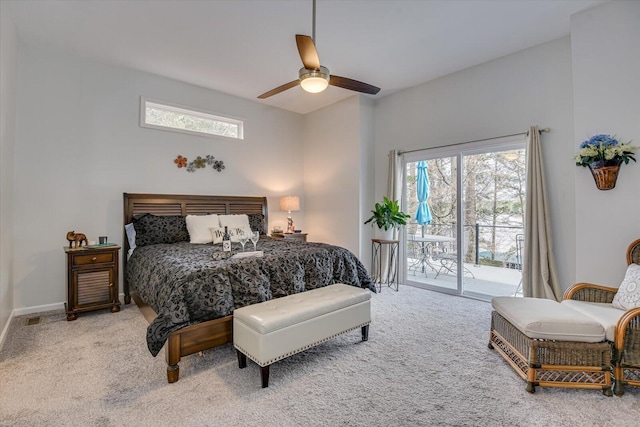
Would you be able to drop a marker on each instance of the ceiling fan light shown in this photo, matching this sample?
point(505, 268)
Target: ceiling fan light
point(314, 81)
point(314, 84)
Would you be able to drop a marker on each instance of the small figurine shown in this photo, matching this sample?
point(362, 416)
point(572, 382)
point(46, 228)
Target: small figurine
point(290, 227)
point(76, 239)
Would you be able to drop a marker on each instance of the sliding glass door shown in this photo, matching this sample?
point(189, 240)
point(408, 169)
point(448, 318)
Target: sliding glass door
point(467, 217)
point(430, 236)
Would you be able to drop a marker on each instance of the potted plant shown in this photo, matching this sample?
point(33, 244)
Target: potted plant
point(604, 154)
point(387, 215)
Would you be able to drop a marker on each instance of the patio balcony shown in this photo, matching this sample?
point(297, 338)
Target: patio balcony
point(488, 281)
point(486, 274)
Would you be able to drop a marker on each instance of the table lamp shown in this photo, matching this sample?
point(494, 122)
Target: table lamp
point(290, 203)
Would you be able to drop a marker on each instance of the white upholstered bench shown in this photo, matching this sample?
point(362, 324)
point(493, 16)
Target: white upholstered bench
point(550, 344)
point(275, 329)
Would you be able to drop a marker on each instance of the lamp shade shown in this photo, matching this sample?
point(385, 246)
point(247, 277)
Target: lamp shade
point(290, 203)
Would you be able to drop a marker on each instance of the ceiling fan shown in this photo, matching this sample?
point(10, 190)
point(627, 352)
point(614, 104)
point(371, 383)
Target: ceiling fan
point(313, 77)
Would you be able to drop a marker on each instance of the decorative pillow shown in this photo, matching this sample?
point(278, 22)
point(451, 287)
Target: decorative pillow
point(256, 222)
point(628, 295)
point(199, 225)
point(131, 235)
point(153, 229)
point(217, 234)
point(234, 221)
point(234, 234)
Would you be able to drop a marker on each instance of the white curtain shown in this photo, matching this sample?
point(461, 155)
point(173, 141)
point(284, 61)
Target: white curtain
point(394, 189)
point(539, 277)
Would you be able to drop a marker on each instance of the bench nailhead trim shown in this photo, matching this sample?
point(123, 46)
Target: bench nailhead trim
point(291, 353)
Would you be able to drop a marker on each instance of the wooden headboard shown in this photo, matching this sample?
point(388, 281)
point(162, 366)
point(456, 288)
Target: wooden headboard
point(177, 204)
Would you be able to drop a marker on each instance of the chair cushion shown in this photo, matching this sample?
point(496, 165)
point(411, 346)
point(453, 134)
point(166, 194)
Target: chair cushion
point(605, 314)
point(628, 295)
point(546, 319)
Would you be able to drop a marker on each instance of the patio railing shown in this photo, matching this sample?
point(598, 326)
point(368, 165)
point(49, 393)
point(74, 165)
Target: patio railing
point(499, 242)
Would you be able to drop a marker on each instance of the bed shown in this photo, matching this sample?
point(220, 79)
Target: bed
point(188, 293)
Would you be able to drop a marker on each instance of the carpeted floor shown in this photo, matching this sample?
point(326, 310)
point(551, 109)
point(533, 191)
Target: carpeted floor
point(426, 363)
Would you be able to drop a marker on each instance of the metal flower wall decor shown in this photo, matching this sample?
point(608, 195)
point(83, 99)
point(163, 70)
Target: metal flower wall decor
point(199, 163)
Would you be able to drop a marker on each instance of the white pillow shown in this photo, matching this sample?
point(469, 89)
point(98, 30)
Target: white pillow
point(628, 295)
point(217, 234)
point(198, 227)
point(234, 233)
point(234, 221)
point(131, 236)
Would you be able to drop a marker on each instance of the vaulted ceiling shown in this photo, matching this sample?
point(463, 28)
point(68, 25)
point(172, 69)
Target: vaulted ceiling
point(247, 47)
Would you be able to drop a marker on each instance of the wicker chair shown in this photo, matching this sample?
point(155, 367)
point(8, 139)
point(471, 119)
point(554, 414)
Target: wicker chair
point(626, 346)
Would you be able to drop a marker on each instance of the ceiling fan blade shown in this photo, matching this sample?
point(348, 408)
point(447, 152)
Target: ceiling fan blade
point(279, 89)
point(351, 84)
point(308, 52)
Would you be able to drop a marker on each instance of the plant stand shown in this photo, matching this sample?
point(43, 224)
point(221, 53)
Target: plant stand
point(384, 263)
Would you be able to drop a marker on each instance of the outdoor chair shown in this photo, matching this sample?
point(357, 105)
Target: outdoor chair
point(449, 259)
point(622, 326)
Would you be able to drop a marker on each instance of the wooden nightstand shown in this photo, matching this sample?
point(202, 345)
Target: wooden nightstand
point(92, 280)
point(292, 236)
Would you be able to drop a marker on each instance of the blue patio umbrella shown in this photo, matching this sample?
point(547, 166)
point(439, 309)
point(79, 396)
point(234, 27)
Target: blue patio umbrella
point(423, 213)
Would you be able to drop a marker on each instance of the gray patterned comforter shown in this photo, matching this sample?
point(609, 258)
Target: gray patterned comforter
point(185, 285)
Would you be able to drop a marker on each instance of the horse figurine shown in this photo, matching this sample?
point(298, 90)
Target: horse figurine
point(76, 239)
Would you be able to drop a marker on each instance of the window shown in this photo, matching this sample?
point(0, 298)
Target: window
point(160, 115)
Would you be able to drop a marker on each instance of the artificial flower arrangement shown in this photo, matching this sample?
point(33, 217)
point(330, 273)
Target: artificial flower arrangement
point(604, 150)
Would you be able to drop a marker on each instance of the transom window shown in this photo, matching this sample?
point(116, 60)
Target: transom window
point(161, 115)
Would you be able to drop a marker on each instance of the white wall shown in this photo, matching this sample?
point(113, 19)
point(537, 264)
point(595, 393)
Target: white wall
point(8, 78)
point(332, 174)
point(605, 45)
point(79, 147)
point(500, 97)
point(367, 176)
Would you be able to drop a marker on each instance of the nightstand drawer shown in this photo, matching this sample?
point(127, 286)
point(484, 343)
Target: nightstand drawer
point(93, 258)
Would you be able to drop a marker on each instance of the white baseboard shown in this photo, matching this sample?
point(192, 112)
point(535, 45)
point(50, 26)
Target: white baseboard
point(30, 310)
point(5, 330)
point(46, 307)
point(38, 309)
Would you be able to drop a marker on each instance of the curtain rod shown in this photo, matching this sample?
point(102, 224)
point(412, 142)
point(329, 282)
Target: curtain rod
point(475, 140)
